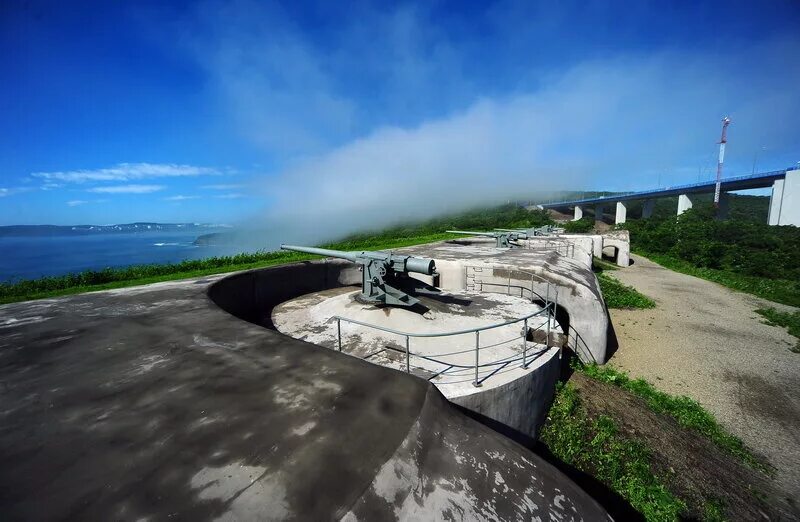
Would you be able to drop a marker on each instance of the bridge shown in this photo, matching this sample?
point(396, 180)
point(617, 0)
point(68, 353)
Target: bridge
point(784, 207)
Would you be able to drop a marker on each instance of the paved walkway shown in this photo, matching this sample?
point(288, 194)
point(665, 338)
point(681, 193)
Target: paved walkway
point(705, 341)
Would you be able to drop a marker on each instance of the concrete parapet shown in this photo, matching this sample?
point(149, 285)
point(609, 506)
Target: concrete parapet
point(203, 416)
point(579, 297)
point(620, 241)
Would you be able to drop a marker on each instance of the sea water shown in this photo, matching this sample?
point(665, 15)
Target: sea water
point(34, 257)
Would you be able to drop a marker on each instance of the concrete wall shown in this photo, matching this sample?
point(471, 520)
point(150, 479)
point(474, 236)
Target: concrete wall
point(579, 299)
point(621, 240)
point(252, 295)
point(785, 200)
point(521, 404)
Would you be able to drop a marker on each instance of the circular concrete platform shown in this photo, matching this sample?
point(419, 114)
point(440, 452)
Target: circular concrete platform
point(448, 361)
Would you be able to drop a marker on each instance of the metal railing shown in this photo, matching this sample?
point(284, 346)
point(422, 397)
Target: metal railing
point(560, 247)
point(500, 364)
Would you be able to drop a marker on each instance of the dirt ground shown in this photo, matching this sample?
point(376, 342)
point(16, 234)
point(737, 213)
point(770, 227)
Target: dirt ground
point(705, 341)
point(695, 469)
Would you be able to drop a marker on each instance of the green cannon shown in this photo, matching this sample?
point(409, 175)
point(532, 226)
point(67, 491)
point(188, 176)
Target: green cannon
point(382, 274)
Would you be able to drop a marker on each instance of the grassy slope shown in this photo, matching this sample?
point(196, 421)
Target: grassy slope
point(685, 410)
point(778, 290)
point(616, 294)
point(145, 274)
point(790, 320)
point(596, 445)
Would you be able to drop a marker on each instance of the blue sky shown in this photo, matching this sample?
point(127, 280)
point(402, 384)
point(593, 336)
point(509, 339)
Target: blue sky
point(302, 112)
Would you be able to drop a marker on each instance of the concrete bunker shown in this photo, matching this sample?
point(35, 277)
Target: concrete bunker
point(513, 376)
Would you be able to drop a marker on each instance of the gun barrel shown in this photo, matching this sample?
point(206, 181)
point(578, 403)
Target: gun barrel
point(472, 233)
point(350, 256)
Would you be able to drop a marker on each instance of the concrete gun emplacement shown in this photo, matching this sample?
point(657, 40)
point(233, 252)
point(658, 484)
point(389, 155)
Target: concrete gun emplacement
point(503, 239)
point(382, 274)
point(527, 233)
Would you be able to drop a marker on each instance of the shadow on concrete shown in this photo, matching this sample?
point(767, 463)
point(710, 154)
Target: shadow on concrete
point(612, 342)
point(616, 505)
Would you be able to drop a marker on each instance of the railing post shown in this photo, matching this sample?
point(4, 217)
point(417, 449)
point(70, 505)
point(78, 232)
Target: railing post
point(525, 344)
point(477, 346)
point(408, 357)
point(339, 332)
point(555, 308)
point(508, 290)
point(532, 288)
point(547, 344)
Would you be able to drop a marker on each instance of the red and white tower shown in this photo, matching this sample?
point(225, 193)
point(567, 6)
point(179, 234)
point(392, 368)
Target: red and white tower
point(722, 141)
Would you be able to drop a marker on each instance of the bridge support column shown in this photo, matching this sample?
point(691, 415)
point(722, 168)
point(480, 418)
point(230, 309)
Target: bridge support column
point(599, 210)
point(648, 207)
point(622, 213)
point(724, 205)
point(684, 203)
point(578, 213)
point(784, 203)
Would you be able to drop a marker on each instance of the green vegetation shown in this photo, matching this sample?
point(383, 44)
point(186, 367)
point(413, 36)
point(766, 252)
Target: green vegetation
point(601, 265)
point(616, 294)
point(790, 320)
point(685, 410)
point(580, 226)
point(510, 216)
point(745, 255)
point(579, 433)
point(595, 446)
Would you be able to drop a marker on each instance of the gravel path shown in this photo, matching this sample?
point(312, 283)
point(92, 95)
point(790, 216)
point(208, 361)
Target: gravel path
point(705, 341)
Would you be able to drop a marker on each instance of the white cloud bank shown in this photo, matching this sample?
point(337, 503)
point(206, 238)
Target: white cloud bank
point(127, 189)
point(612, 124)
point(126, 172)
point(76, 202)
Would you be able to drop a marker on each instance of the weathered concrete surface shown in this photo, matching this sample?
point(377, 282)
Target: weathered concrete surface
point(153, 403)
point(620, 242)
point(705, 341)
point(582, 309)
point(515, 397)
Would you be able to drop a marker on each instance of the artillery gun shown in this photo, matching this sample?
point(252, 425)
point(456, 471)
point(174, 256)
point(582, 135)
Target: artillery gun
point(381, 273)
point(546, 230)
point(505, 239)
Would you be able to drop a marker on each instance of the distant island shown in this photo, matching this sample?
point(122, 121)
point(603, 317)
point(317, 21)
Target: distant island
point(215, 239)
point(84, 230)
